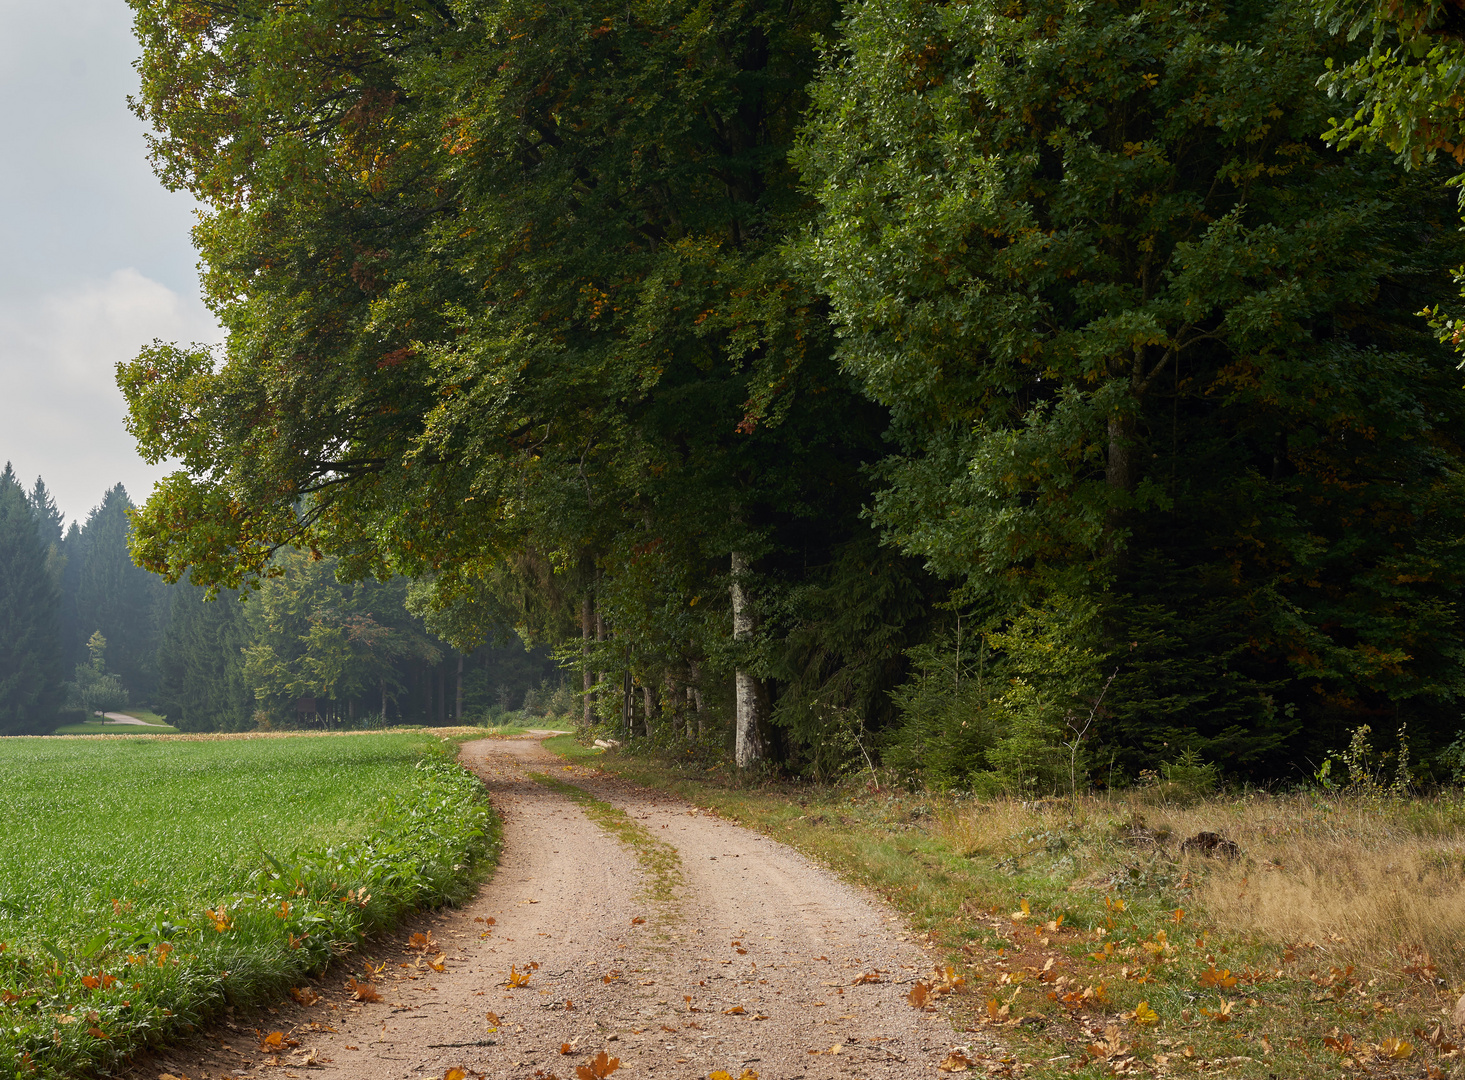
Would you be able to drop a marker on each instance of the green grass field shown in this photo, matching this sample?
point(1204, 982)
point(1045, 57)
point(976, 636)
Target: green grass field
point(145, 883)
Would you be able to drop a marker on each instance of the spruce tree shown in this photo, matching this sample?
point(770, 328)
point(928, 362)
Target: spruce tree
point(49, 525)
point(73, 640)
point(118, 598)
point(201, 683)
point(31, 670)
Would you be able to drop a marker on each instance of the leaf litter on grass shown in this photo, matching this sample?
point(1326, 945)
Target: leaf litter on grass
point(1088, 947)
point(143, 914)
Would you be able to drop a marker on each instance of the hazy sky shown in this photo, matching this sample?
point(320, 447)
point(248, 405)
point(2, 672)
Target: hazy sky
point(95, 259)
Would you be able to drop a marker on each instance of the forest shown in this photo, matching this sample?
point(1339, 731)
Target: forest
point(88, 631)
point(1000, 391)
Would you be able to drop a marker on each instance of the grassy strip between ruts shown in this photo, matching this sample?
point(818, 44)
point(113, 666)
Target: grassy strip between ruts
point(659, 860)
point(1089, 945)
point(147, 883)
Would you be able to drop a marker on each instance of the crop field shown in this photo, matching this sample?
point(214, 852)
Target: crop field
point(147, 882)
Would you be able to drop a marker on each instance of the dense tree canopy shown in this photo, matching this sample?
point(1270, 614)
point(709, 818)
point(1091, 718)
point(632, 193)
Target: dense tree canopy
point(611, 322)
point(1146, 340)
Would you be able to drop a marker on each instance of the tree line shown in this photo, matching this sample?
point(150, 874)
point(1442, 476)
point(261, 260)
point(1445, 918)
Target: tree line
point(87, 631)
point(996, 386)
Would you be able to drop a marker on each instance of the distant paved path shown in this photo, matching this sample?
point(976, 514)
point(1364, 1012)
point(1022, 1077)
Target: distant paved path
point(123, 718)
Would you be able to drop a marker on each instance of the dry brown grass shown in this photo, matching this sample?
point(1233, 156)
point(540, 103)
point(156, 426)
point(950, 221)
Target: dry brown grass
point(1372, 882)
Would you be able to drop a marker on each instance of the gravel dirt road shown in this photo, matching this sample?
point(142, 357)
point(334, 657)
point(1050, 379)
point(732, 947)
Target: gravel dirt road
point(696, 946)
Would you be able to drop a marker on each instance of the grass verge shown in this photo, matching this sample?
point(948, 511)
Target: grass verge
point(147, 883)
point(1091, 945)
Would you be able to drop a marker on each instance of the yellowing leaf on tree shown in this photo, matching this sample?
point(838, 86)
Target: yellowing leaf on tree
point(598, 1068)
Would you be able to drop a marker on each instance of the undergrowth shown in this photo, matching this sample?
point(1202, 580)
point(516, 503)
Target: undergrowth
point(148, 884)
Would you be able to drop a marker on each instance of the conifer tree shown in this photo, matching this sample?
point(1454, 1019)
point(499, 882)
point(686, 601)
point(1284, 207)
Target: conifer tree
point(117, 597)
point(30, 640)
point(201, 682)
point(49, 525)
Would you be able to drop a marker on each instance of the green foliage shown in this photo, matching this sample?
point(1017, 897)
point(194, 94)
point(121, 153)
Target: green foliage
point(555, 350)
point(1365, 770)
point(947, 724)
point(30, 631)
point(117, 598)
point(94, 689)
point(1073, 305)
point(314, 637)
point(848, 627)
point(1452, 759)
point(296, 847)
point(201, 668)
point(1135, 326)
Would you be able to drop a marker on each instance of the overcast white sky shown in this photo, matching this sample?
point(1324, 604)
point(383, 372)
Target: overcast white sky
point(95, 259)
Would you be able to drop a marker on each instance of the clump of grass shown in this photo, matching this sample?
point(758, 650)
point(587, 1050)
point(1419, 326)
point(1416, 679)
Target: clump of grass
point(1374, 882)
point(146, 884)
point(1371, 882)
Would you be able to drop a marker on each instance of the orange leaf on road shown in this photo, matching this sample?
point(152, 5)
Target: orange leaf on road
point(599, 1067)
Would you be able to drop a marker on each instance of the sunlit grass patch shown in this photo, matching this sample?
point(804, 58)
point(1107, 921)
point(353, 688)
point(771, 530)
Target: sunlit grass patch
point(145, 883)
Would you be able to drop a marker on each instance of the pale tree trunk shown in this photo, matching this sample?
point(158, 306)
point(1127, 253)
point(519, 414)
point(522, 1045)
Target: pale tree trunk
point(694, 692)
point(587, 634)
point(599, 637)
point(748, 747)
point(648, 697)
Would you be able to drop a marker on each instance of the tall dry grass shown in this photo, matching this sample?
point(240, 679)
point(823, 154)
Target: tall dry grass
point(1372, 882)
